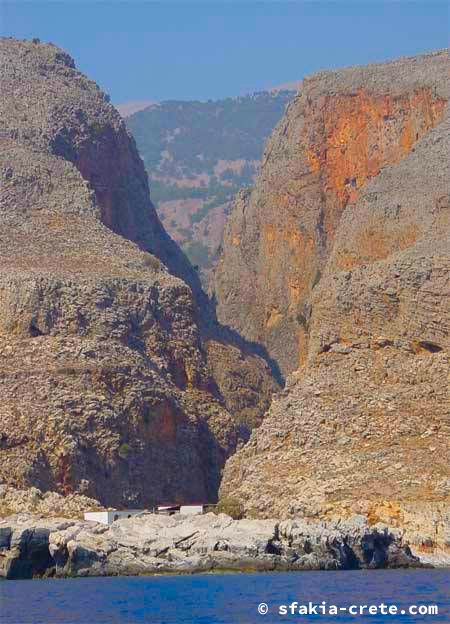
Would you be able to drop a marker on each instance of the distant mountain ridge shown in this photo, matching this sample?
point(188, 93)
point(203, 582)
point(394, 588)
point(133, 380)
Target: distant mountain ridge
point(198, 155)
point(129, 108)
point(126, 109)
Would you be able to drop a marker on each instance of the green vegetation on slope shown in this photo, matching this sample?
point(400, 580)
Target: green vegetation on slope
point(203, 151)
point(199, 134)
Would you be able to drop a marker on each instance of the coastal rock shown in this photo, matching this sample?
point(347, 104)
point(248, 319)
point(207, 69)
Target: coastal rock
point(45, 504)
point(149, 544)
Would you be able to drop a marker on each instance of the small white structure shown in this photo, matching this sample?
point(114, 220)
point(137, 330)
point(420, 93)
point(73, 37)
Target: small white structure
point(167, 509)
point(108, 517)
point(191, 509)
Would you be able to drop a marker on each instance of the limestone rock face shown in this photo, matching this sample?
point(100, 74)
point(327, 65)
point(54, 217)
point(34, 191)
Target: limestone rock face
point(341, 130)
point(104, 377)
point(31, 546)
point(363, 425)
point(48, 106)
point(388, 272)
point(45, 504)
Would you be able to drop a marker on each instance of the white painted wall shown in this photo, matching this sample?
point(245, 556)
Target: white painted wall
point(108, 517)
point(97, 516)
point(191, 509)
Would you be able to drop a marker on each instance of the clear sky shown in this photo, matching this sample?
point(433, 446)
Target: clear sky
point(138, 49)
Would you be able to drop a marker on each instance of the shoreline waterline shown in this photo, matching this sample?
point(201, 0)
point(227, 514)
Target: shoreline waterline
point(222, 599)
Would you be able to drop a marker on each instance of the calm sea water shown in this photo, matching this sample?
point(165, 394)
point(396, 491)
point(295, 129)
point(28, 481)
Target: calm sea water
point(225, 599)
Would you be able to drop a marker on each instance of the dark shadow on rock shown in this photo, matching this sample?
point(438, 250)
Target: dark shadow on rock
point(213, 329)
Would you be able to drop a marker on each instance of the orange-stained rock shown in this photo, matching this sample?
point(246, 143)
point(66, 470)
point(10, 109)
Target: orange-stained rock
point(363, 426)
point(340, 131)
point(362, 133)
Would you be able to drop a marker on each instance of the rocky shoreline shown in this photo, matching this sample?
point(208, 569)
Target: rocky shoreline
point(32, 546)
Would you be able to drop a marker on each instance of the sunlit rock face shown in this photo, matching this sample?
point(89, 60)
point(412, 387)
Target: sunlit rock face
point(362, 425)
point(105, 378)
point(340, 131)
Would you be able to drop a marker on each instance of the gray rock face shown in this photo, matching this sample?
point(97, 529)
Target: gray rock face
point(49, 107)
point(32, 546)
point(100, 350)
point(106, 341)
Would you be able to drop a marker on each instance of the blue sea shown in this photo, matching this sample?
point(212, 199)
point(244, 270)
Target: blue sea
point(227, 598)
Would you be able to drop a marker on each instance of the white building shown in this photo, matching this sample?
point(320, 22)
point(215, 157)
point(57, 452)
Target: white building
point(108, 517)
point(193, 509)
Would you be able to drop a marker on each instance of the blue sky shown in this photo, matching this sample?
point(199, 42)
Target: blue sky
point(216, 48)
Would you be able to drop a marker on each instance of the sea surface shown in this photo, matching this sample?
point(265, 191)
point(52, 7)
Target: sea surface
point(225, 598)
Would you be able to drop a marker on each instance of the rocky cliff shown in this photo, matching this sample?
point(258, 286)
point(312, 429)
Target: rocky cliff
point(363, 426)
point(150, 544)
point(106, 343)
point(341, 130)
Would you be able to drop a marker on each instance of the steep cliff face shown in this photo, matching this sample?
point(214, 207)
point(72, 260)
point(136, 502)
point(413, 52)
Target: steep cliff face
point(105, 384)
point(340, 131)
point(363, 426)
point(49, 105)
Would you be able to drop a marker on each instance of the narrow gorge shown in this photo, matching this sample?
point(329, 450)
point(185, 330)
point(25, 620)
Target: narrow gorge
point(123, 384)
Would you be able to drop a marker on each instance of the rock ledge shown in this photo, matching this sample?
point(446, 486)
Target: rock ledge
point(32, 546)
